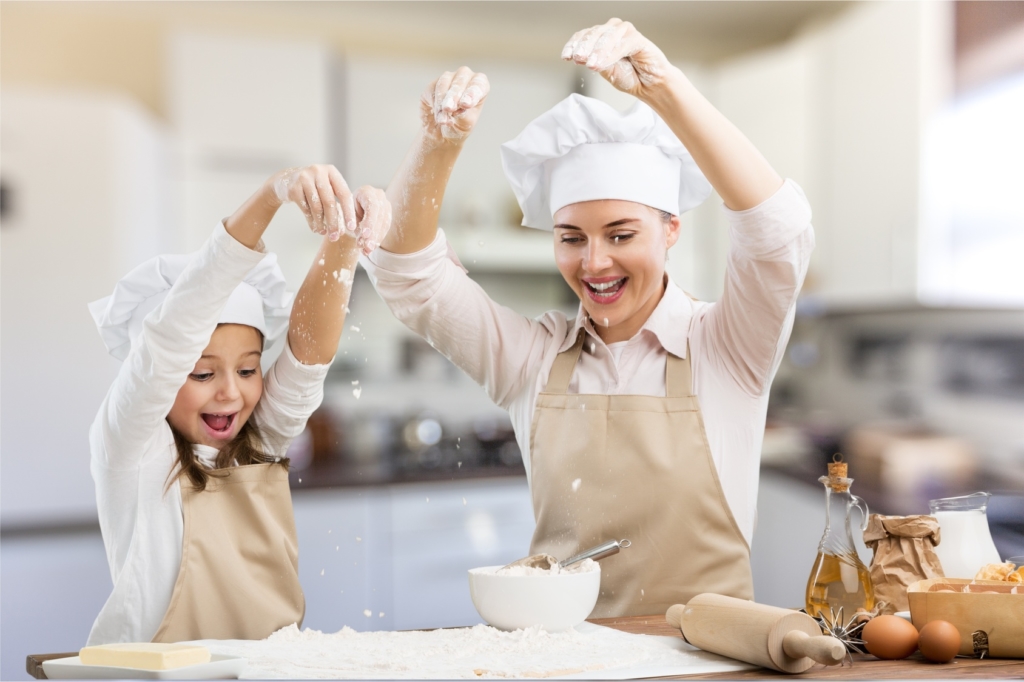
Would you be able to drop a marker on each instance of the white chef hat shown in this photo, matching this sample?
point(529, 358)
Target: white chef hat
point(260, 301)
point(583, 149)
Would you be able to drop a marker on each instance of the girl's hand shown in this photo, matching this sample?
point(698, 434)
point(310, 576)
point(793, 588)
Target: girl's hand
point(625, 58)
point(321, 194)
point(373, 210)
point(450, 106)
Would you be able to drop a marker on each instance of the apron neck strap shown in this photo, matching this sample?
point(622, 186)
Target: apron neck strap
point(565, 363)
point(678, 376)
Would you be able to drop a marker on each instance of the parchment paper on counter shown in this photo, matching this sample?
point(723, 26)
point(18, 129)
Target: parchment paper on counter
point(479, 652)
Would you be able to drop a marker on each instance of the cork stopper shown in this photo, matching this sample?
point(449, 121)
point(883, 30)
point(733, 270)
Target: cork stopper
point(837, 479)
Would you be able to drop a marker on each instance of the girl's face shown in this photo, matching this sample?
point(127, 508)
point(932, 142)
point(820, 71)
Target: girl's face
point(223, 389)
point(612, 254)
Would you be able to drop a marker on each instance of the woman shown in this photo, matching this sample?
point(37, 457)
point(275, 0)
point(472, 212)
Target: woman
point(188, 446)
point(642, 418)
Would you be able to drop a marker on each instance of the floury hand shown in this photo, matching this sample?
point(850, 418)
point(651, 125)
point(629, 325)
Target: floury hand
point(621, 54)
point(373, 210)
point(322, 195)
point(450, 106)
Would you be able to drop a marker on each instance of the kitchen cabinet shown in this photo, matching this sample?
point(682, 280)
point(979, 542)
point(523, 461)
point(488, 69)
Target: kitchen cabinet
point(400, 553)
point(478, 211)
point(243, 109)
point(843, 108)
point(502, 248)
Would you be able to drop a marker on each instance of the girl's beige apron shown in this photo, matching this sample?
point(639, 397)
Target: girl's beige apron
point(239, 576)
point(613, 467)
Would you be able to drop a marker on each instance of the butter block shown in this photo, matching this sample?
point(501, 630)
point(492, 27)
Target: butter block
point(145, 655)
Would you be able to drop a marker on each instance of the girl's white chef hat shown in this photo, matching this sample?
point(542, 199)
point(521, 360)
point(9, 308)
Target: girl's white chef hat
point(260, 301)
point(583, 149)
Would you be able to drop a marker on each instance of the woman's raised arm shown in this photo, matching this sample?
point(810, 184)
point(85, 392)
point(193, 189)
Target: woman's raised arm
point(633, 64)
point(449, 108)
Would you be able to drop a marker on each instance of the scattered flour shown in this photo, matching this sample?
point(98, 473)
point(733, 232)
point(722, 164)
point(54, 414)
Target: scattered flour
point(464, 653)
point(585, 566)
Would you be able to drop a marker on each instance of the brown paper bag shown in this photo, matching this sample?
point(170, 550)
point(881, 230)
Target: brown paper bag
point(904, 553)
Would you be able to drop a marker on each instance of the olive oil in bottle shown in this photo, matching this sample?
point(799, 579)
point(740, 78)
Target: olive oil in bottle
point(839, 582)
point(839, 579)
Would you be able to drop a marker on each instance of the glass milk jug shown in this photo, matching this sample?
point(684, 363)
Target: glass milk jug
point(839, 579)
point(966, 544)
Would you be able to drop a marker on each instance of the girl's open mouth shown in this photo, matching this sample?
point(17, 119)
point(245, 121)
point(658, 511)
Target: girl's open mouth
point(219, 425)
point(606, 292)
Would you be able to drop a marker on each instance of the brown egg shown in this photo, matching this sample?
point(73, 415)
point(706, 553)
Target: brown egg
point(889, 637)
point(939, 641)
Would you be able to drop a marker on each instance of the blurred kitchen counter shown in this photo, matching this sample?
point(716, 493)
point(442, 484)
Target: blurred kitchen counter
point(1005, 511)
point(347, 475)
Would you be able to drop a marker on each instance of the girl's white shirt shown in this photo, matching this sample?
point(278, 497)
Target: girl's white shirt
point(737, 342)
point(132, 448)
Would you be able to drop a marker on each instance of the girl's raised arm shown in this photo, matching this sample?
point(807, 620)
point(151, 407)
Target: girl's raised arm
point(351, 225)
point(173, 337)
point(318, 315)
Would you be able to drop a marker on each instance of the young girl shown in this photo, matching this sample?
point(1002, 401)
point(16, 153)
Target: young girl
point(188, 446)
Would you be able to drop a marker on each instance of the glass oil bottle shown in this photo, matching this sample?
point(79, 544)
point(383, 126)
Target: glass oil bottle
point(839, 578)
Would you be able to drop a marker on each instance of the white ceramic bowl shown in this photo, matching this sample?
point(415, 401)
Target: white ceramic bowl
point(553, 602)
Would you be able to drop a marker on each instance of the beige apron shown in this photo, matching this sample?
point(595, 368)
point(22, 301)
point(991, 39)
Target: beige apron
point(613, 467)
point(239, 576)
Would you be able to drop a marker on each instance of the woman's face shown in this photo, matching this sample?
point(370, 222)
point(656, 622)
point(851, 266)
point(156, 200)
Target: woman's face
point(221, 392)
point(612, 254)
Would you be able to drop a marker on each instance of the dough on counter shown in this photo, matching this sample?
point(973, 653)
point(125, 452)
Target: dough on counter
point(145, 655)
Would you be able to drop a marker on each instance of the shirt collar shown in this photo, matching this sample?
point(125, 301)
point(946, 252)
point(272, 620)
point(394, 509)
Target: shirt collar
point(669, 323)
point(207, 455)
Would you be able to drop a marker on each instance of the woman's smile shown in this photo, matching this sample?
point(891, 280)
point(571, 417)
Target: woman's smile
point(605, 290)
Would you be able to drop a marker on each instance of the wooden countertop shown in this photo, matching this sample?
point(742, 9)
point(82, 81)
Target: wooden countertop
point(864, 666)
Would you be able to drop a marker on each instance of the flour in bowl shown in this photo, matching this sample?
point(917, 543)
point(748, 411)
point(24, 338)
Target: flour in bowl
point(585, 566)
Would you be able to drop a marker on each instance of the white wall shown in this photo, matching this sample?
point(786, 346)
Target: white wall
point(87, 178)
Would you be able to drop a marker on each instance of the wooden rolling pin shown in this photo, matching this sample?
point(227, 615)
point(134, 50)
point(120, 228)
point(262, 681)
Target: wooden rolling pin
point(781, 639)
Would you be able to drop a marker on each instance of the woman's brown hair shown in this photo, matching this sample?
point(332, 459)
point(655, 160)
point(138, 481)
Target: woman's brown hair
point(245, 448)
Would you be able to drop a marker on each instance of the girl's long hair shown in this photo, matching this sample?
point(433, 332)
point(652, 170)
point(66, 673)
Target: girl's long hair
point(245, 448)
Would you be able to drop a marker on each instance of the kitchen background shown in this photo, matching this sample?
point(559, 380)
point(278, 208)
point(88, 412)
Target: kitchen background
point(129, 129)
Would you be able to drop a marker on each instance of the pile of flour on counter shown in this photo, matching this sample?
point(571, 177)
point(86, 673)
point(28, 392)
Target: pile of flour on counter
point(465, 653)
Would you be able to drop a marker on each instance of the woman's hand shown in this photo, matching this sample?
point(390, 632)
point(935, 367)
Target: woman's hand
point(450, 106)
point(621, 54)
point(373, 211)
point(321, 194)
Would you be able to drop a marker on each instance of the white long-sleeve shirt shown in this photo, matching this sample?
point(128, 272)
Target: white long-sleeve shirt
point(132, 448)
point(737, 342)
